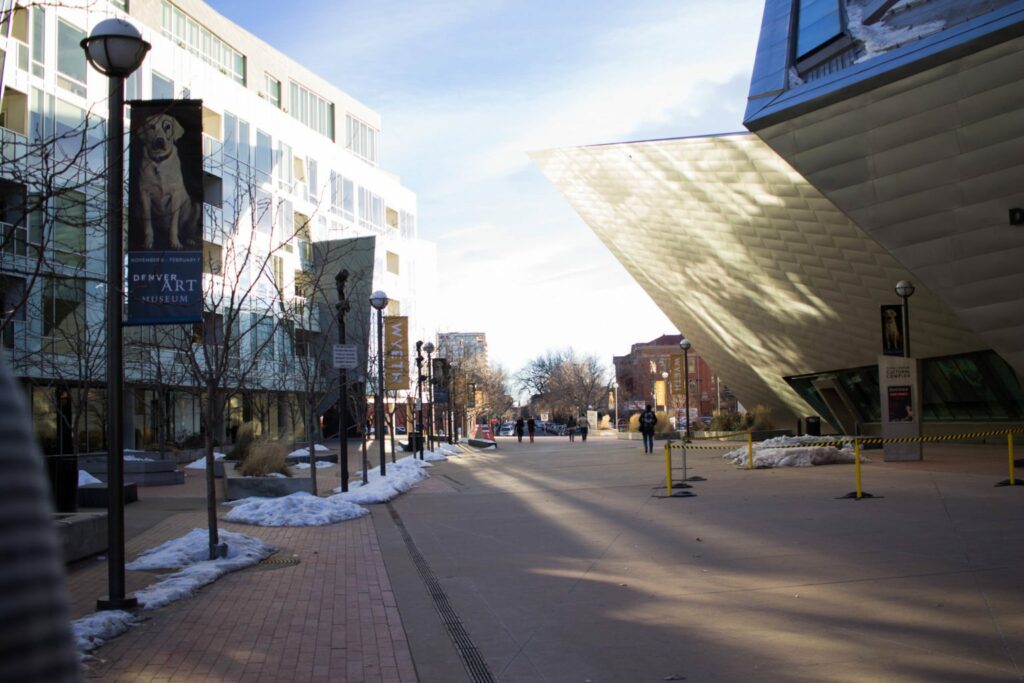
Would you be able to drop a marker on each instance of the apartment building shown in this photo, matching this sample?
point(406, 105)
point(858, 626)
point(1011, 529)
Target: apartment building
point(291, 163)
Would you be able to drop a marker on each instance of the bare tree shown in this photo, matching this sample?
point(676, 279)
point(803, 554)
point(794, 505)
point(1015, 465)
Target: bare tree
point(563, 382)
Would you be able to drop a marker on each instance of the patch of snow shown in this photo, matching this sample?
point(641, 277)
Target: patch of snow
point(786, 451)
point(401, 476)
point(135, 458)
point(84, 478)
point(297, 509)
point(304, 452)
point(190, 553)
point(95, 629)
point(200, 463)
point(320, 464)
point(878, 38)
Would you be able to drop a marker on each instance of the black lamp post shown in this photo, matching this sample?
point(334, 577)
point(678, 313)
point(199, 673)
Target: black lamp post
point(429, 348)
point(664, 389)
point(685, 346)
point(343, 308)
point(905, 289)
point(115, 48)
point(379, 300)
point(419, 398)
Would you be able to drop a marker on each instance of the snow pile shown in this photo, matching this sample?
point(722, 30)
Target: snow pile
point(189, 555)
point(878, 38)
point(304, 452)
point(135, 458)
point(400, 478)
point(84, 478)
point(92, 631)
point(438, 455)
point(320, 464)
point(200, 463)
point(448, 449)
point(785, 451)
point(297, 509)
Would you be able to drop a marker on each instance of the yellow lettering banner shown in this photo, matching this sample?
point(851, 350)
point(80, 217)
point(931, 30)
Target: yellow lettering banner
point(396, 352)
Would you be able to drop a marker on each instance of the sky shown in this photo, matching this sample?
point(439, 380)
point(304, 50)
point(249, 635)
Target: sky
point(466, 88)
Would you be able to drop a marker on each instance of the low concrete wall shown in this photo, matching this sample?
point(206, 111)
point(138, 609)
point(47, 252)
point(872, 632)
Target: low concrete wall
point(141, 472)
point(81, 534)
point(236, 486)
point(95, 495)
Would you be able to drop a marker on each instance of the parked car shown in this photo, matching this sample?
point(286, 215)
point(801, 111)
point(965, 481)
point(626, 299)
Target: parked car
point(507, 429)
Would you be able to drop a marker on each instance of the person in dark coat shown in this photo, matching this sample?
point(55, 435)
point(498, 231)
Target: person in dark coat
point(647, 422)
point(519, 429)
point(570, 426)
point(584, 424)
point(531, 427)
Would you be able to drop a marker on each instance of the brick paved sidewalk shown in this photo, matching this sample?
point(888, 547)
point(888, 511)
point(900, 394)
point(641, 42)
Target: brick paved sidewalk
point(332, 617)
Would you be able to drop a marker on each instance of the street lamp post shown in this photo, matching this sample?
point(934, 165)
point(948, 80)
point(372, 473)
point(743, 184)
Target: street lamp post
point(664, 389)
point(615, 392)
point(379, 300)
point(419, 398)
point(685, 346)
point(429, 348)
point(343, 308)
point(115, 48)
point(905, 289)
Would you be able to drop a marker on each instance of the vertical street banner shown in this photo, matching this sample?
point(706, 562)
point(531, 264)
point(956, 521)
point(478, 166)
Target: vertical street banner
point(440, 371)
point(676, 374)
point(396, 352)
point(165, 213)
point(892, 330)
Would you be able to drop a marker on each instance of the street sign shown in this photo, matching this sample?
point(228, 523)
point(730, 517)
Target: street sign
point(345, 357)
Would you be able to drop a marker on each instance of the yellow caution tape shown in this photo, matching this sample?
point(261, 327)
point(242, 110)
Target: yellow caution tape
point(870, 440)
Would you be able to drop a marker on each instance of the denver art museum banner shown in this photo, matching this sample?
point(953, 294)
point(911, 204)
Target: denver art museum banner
point(396, 352)
point(165, 213)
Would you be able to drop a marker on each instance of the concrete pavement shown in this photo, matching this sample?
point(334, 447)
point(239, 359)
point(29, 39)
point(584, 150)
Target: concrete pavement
point(564, 568)
point(553, 562)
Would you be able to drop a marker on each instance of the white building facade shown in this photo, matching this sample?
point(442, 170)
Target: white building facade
point(290, 161)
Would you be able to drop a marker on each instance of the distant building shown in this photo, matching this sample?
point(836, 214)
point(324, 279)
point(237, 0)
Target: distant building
point(638, 372)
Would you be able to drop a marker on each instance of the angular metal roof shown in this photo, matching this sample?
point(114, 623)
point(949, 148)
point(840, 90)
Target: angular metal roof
point(762, 272)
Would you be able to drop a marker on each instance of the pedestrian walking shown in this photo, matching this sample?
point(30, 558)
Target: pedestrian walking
point(570, 425)
point(647, 421)
point(531, 427)
point(519, 429)
point(584, 427)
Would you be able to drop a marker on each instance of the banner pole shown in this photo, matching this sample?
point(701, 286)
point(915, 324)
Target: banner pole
point(856, 460)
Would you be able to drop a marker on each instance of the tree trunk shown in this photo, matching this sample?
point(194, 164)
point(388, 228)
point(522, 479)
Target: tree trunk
point(312, 446)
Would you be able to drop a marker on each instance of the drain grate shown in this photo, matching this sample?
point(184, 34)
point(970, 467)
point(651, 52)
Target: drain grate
point(471, 657)
point(276, 561)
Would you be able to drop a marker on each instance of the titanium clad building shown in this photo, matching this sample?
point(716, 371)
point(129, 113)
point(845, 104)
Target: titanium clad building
point(292, 165)
point(887, 146)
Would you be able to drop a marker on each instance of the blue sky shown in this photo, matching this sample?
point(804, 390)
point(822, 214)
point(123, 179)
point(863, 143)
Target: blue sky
point(467, 88)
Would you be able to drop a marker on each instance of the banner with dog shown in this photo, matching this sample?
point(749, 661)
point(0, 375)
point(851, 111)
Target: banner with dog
point(165, 212)
point(892, 330)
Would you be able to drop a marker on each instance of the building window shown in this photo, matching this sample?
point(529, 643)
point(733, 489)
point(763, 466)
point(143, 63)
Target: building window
point(361, 139)
point(201, 42)
point(312, 110)
point(39, 42)
point(163, 87)
point(213, 258)
point(371, 209)
point(285, 167)
point(236, 138)
point(264, 156)
point(407, 224)
point(392, 262)
point(264, 208)
point(12, 315)
point(819, 22)
point(69, 228)
point(273, 88)
point(63, 310)
point(70, 58)
point(343, 202)
point(393, 308)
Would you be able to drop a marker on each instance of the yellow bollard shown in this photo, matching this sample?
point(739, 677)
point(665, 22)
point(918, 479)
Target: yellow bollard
point(1009, 448)
point(750, 450)
point(856, 460)
point(668, 469)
